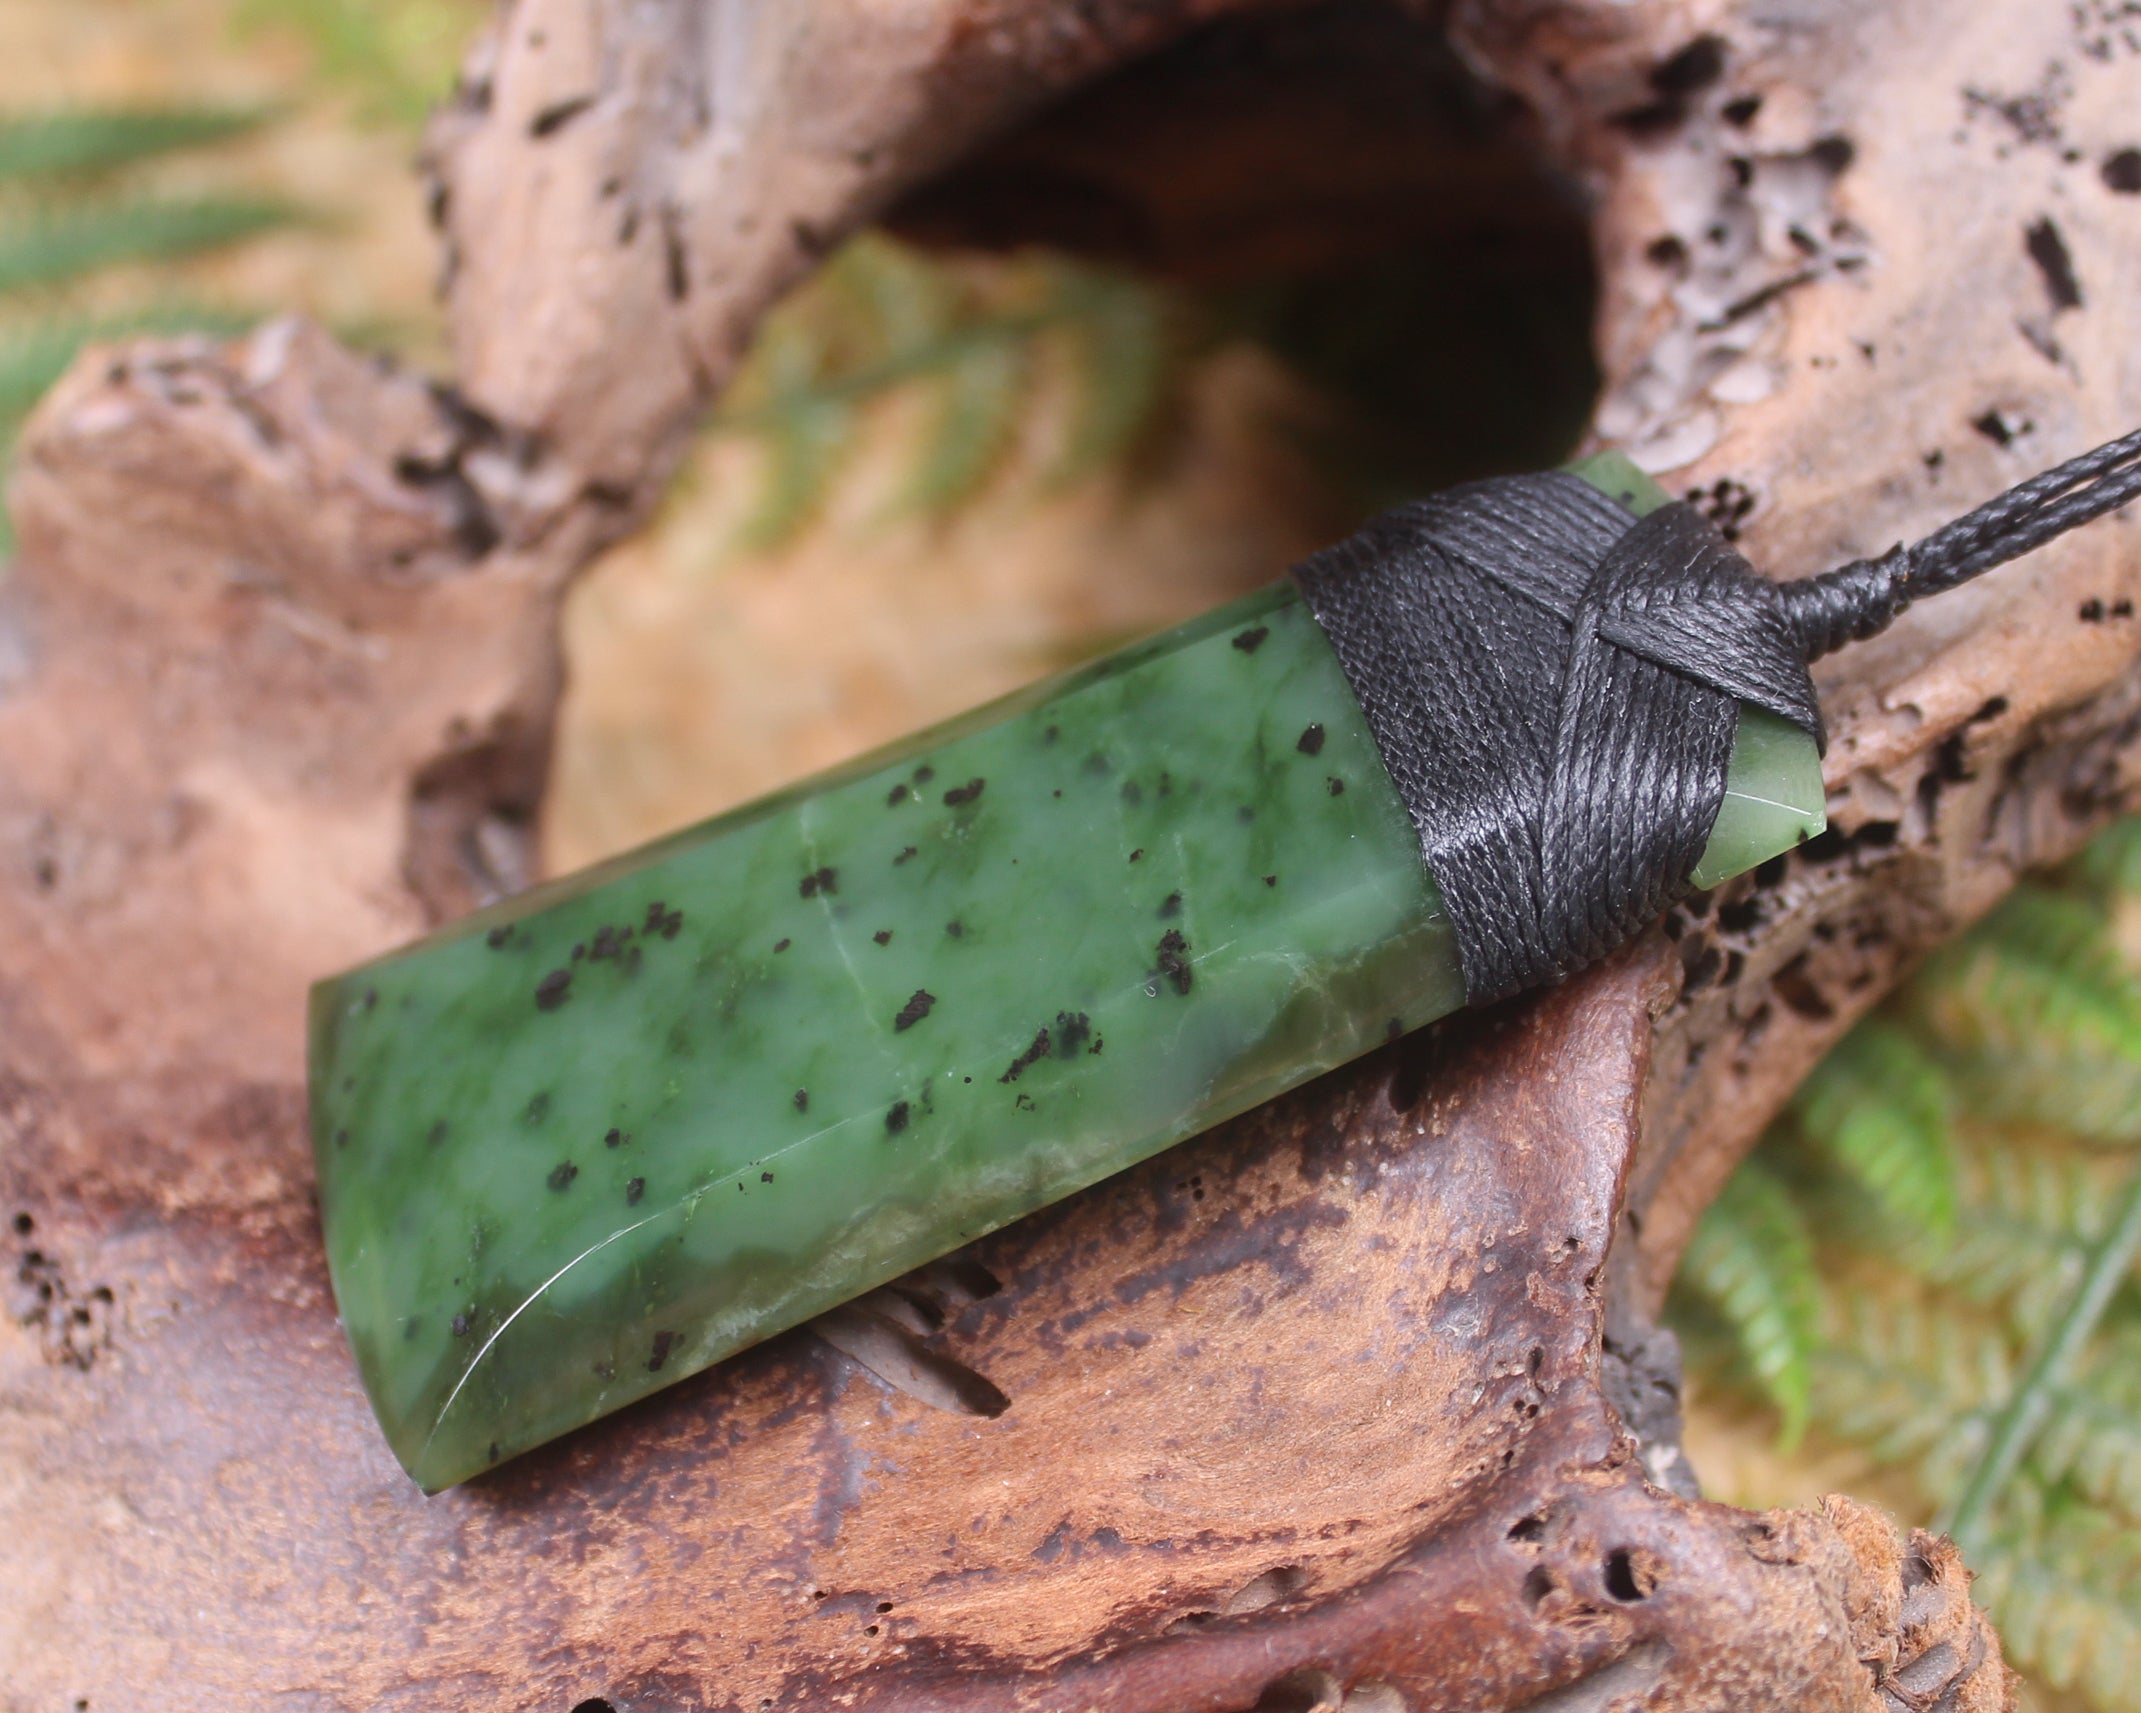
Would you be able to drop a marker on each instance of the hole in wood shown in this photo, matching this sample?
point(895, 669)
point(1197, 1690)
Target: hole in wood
point(1457, 358)
point(1281, 1582)
point(1421, 1059)
point(886, 1335)
point(1309, 1690)
point(1631, 1574)
point(939, 1290)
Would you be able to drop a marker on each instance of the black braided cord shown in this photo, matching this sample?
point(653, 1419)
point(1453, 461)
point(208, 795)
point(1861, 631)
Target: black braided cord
point(1863, 598)
point(1554, 686)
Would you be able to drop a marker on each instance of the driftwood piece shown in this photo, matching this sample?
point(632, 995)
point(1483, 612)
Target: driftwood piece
point(277, 671)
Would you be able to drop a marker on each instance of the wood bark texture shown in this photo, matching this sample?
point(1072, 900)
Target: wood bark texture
point(1351, 1404)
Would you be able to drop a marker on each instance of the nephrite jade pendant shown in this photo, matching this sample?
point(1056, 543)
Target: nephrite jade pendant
point(589, 1141)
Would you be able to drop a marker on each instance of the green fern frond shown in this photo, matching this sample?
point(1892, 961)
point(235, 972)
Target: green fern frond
point(2002, 1260)
point(1911, 1383)
point(976, 418)
point(1752, 1259)
point(2040, 969)
point(1878, 1107)
point(886, 298)
point(2091, 1440)
point(1117, 331)
point(912, 329)
point(2022, 1236)
point(95, 140)
point(804, 433)
point(2063, 1590)
point(968, 342)
point(62, 246)
point(2030, 1404)
point(2095, 1096)
point(1975, 1271)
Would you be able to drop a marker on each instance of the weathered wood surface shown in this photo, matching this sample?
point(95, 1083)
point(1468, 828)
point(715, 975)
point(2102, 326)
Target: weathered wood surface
point(277, 672)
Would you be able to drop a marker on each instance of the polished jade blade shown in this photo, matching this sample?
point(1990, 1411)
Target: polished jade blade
point(592, 1140)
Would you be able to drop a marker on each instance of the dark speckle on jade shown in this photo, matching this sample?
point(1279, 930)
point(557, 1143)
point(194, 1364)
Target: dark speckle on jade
point(829, 1036)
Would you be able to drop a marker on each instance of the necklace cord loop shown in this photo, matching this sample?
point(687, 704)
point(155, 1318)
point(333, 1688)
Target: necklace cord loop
point(1863, 598)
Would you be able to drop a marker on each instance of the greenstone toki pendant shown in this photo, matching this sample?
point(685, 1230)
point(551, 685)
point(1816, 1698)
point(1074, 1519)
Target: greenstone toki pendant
point(589, 1141)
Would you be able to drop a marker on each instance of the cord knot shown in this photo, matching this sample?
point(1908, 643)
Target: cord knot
point(1849, 604)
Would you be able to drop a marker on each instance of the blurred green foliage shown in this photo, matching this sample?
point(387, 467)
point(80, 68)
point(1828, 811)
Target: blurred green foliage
point(80, 198)
point(1932, 1259)
point(1433, 372)
point(52, 247)
point(77, 201)
point(51, 145)
point(1035, 351)
point(394, 58)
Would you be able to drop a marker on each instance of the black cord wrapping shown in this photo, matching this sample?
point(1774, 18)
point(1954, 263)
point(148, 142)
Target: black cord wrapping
point(1554, 686)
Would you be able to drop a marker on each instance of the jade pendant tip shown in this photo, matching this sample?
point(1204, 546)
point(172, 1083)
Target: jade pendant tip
point(1774, 798)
